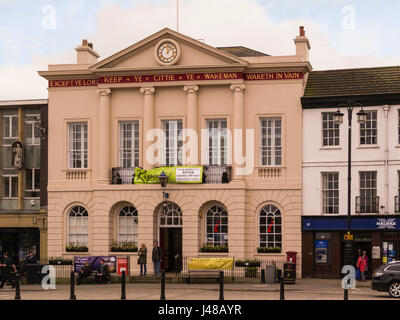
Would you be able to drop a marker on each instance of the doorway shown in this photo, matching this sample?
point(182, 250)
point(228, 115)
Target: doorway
point(170, 236)
point(171, 245)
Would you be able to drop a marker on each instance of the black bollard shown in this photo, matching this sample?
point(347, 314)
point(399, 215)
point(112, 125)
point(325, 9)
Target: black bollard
point(17, 288)
point(346, 294)
point(221, 286)
point(162, 298)
point(72, 294)
point(263, 276)
point(123, 286)
point(282, 288)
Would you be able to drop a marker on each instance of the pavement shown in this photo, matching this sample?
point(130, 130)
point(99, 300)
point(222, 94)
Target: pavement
point(305, 289)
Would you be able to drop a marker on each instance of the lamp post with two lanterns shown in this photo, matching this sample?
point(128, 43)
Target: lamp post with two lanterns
point(338, 120)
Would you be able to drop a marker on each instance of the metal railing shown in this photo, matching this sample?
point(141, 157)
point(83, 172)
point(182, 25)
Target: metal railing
point(238, 273)
point(397, 204)
point(367, 204)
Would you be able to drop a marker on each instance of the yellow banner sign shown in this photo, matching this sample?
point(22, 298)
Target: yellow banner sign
point(210, 263)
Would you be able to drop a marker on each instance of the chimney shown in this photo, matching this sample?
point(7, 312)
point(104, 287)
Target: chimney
point(302, 45)
point(86, 53)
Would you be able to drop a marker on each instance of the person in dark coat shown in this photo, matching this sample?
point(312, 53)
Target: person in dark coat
point(156, 257)
point(142, 260)
point(84, 272)
point(8, 271)
point(103, 274)
point(30, 258)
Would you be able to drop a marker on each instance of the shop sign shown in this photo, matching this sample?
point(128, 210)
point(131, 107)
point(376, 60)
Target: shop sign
point(210, 263)
point(79, 262)
point(390, 224)
point(122, 265)
point(176, 175)
point(349, 237)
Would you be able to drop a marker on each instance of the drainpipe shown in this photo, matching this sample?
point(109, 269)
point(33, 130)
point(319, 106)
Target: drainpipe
point(386, 108)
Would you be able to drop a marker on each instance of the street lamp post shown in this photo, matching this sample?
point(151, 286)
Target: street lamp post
point(163, 178)
point(338, 120)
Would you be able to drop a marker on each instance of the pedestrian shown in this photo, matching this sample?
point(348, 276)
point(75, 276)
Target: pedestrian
point(142, 260)
point(103, 274)
point(366, 262)
point(8, 271)
point(84, 272)
point(362, 265)
point(356, 257)
point(30, 258)
point(156, 257)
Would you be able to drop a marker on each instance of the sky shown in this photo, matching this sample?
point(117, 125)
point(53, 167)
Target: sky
point(343, 33)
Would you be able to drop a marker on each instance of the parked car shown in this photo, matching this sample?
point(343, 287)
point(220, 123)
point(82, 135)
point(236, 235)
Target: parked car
point(387, 279)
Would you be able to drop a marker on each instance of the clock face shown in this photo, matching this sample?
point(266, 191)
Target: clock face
point(167, 52)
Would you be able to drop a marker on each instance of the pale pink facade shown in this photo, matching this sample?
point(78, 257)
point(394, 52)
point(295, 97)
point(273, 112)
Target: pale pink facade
point(189, 94)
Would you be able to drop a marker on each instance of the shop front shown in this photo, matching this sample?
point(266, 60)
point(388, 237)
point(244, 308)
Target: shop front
point(323, 243)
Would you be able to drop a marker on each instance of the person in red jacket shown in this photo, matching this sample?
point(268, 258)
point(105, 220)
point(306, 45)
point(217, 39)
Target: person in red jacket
point(362, 265)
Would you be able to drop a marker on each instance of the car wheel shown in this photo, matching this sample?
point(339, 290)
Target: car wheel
point(394, 289)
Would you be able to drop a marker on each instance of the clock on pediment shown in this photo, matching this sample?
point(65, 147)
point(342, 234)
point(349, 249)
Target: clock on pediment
point(167, 52)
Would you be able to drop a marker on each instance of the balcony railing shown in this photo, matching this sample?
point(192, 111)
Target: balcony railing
point(367, 204)
point(212, 175)
point(397, 204)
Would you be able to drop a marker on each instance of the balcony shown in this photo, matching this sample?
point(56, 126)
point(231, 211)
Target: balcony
point(397, 204)
point(367, 204)
point(212, 175)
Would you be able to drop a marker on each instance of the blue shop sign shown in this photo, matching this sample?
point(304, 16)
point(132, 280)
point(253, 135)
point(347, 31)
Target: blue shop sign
point(357, 223)
point(321, 244)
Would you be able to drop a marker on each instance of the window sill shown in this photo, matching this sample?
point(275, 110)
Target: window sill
point(397, 147)
point(330, 148)
point(371, 146)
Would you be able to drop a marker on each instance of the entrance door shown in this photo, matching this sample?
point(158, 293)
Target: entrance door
point(171, 237)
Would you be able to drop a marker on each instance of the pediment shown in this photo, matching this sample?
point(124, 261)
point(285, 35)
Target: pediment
point(194, 53)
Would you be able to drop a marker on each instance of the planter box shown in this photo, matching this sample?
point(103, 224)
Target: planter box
point(124, 250)
point(269, 250)
point(248, 264)
point(77, 250)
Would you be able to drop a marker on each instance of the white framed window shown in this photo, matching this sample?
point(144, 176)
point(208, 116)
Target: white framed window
point(172, 144)
point(170, 216)
point(78, 145)
point(369, 130)
point(10, 129)
point(217, 142)
point(271, 142)
point(128, 225)
point(32, 183)
point(270, 227)
point(78, 226)
point(330, 130)
point(129, 144)
point(368, 201)
point(32, 132)
point(398, 118)
point(10, 184)
point(217, 226)
point(330, 193)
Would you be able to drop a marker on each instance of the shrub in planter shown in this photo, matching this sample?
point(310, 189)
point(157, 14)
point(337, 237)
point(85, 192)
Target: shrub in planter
point(269, 250)
point(77, 248)
point(124, 247)
point(248, 263)
point(214, 249)
point(59, 262)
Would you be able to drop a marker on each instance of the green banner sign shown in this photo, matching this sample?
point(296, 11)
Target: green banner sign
point(177, 175)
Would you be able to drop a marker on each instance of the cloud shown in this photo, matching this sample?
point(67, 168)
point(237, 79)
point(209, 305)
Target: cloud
point(219, 23)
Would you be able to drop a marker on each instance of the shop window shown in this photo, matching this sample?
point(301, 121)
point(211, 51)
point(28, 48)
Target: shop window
point(330, 130)
point(369, 129)
point(217, 226)
point(271, 142)
point(217, 142)
point(32, 183)
point(172, 144)
point(78, 224)
point(128, 225)
point(78, 146)
point(270, 232)
point(129, 144)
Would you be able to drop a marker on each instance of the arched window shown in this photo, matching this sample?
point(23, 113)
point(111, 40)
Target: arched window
point(171, 216)
point(217, 226)
point(128, 225)
point(78, 221)
point(270, 227)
